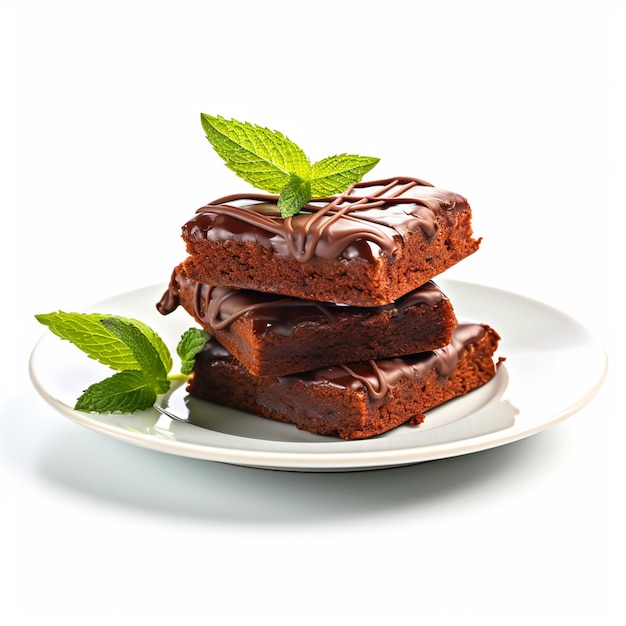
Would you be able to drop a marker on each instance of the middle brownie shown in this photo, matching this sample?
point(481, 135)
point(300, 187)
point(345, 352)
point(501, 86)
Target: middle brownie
point(273, 335)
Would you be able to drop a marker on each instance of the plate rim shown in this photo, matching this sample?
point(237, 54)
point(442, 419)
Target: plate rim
point(342, 460)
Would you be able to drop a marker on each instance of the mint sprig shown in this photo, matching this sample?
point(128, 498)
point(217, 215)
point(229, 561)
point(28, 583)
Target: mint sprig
point(272, 162)
point(135, 350)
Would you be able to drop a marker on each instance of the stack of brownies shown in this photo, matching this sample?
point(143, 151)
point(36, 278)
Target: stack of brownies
point(329, 319)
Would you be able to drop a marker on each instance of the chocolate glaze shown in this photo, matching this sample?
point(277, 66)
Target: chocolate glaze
point(381, 212)
point(219, 307)
point(377, 377)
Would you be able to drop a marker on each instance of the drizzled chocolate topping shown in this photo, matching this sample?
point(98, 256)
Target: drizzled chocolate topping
point(369, 217)
point(219, 307)
point(379, 376)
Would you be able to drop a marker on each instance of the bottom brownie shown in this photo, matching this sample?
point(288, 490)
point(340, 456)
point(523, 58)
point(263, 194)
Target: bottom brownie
point(357, 400)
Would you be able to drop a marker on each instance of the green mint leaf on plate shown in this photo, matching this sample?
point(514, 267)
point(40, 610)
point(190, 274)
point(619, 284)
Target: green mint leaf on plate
point(147, 357)
point(86, 332)
point(126, 392)
point(191, 342)
point(270, 161)
point(124, 344)
point(156, 341)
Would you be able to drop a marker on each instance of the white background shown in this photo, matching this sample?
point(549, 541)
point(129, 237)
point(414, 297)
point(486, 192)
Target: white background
point(517, 106)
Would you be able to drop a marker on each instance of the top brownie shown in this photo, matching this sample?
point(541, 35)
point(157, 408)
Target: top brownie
point(365, 247)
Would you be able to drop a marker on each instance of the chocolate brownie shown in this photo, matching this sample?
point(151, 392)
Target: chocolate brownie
point(273, 335)
point(366, 247)
point(352, 401)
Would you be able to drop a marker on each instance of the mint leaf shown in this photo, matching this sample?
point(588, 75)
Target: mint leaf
point(262, 157)
point(88, 334)
point(293, 196)
point(124, 344)
point(191, 342)
point(335, 174)
point(144, 352)
point(124, 392)
point(272, 162)
point(156, 341)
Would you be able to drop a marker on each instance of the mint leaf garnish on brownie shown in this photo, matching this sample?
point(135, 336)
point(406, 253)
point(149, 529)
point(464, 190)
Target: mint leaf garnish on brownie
point(294, 195)
point(135, 350)
point(262, 157)
point(335, 174)
point(272, 162)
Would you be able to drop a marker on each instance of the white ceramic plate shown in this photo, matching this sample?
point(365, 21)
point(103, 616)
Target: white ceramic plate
point(553, 368)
